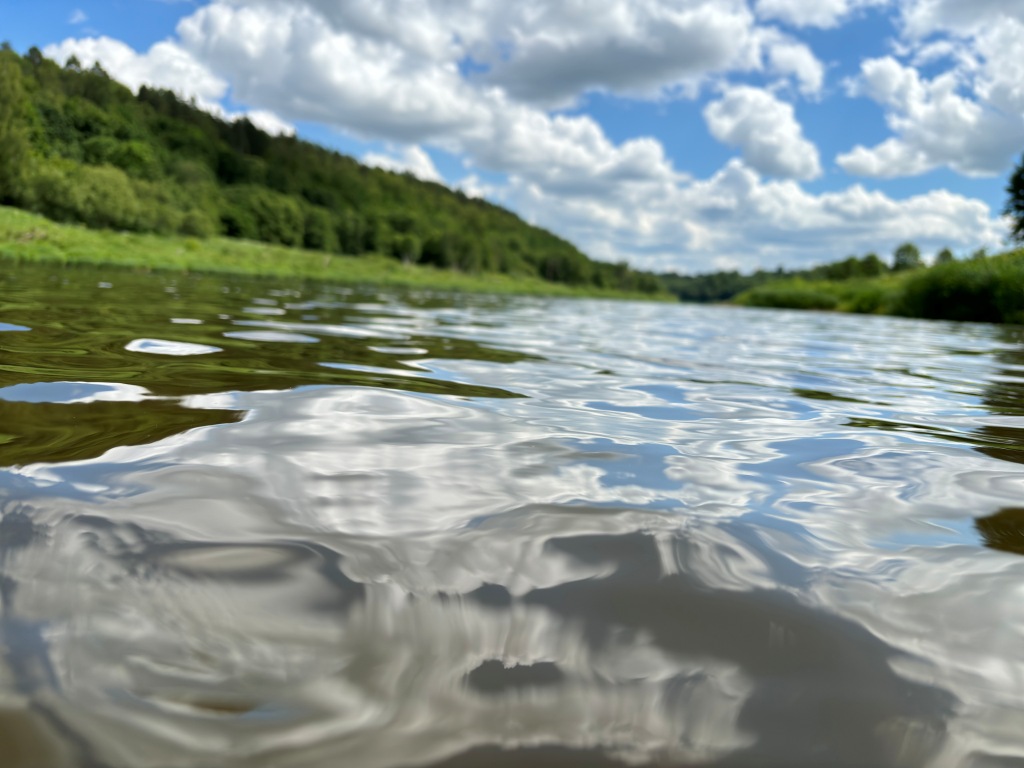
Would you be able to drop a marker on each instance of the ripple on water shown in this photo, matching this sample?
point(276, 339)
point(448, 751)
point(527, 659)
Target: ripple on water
point(272, 336)
point(171, 348)
point(533, 532)
point(72, 392)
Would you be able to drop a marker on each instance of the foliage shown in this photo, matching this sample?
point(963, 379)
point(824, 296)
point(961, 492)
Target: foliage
point(990, 289)
point(1015, 201)
point(905, 257)
point(790, 294)
point(861, 295)
point(77, 146)
point(14, 139)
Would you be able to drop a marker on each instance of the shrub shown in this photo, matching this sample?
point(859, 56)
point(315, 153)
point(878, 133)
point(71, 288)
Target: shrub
point(794, 294)
point(987, 290)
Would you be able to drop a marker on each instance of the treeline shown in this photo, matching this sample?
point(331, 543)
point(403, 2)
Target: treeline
point(979, 288)
point(722, 286)
point(77, 146)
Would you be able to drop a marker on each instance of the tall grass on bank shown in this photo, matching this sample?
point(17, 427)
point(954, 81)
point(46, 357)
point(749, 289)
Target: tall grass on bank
point(983, 290)
point(32, 238)
point(862, 295)
point(987, 290)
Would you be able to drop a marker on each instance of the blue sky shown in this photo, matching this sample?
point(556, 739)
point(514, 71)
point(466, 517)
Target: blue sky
point(676, 134)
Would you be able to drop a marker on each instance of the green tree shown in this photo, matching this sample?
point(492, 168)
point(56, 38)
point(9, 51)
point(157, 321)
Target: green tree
point(14, 141)
point(319, 232)
point(872, 266)
point(107, 199)
point(1014, 207)
point(945, 256)
point(407, 248)
point(905, 257)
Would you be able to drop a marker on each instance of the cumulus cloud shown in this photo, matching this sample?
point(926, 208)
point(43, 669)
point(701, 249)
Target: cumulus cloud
point(559, 50)
point(412, 160)
point(925, 17)
point(766, 131)
point(737, 219)
point(788, 57)
point(937, 123)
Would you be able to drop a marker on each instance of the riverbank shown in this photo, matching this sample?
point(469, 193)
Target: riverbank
point(989, 289)
point(32, 238)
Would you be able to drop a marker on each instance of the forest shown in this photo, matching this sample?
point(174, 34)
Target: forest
point(77, 146)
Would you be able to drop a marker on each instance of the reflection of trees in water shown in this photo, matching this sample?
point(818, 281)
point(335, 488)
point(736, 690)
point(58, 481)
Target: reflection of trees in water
point(58, 432)
point(1004, 530)
point(1004, 396)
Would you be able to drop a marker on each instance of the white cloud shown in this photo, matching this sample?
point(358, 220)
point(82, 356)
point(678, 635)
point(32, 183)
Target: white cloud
point(738, 219)
point(264, 120)
point(77, 17)
point(537, 52)
point(411, 159)
point(812, 13)
point(766, 130)
point(286, 58)
point(925, 17)
point(936, 123)
point(788, 57)
point(559, 50)
point(890, 159)
point(473, 186)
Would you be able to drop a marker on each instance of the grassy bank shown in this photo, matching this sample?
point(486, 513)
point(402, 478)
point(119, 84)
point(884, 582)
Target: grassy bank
point(32, 238)
point(878, 295)
point(986, 290)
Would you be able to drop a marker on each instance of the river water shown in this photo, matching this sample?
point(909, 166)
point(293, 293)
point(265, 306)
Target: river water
point(255, 524)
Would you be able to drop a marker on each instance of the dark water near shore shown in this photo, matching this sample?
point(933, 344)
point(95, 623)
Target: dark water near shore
point(245, 524)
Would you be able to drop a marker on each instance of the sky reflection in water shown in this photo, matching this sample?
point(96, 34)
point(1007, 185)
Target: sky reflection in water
point(314, 528)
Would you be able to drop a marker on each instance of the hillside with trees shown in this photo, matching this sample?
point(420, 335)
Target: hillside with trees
point(77, 146)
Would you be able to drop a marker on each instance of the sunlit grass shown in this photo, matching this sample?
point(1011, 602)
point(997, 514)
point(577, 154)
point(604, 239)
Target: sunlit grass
point(29, 237)
point(879, 295)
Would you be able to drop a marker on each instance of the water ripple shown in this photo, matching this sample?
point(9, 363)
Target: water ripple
point(456, 531)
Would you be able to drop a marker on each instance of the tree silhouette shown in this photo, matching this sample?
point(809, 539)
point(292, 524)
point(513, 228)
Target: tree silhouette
point(906, 256)
point(1015, 202)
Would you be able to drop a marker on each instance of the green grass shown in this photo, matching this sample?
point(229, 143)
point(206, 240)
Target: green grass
point(982, 290)
point(879, 295)
point(990, 290)
point(27, 237)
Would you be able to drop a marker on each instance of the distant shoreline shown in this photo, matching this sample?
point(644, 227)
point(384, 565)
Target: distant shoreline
point(33, 238)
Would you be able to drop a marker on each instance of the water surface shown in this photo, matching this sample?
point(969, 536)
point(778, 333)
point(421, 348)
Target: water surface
point(256, 524)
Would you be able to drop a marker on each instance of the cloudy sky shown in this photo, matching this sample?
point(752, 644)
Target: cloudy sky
point(676, 134)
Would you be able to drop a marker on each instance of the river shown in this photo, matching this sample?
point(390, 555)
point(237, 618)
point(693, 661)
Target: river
point(255, 524)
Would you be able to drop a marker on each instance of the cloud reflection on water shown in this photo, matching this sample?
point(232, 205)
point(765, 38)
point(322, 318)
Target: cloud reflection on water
point(659, 551)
